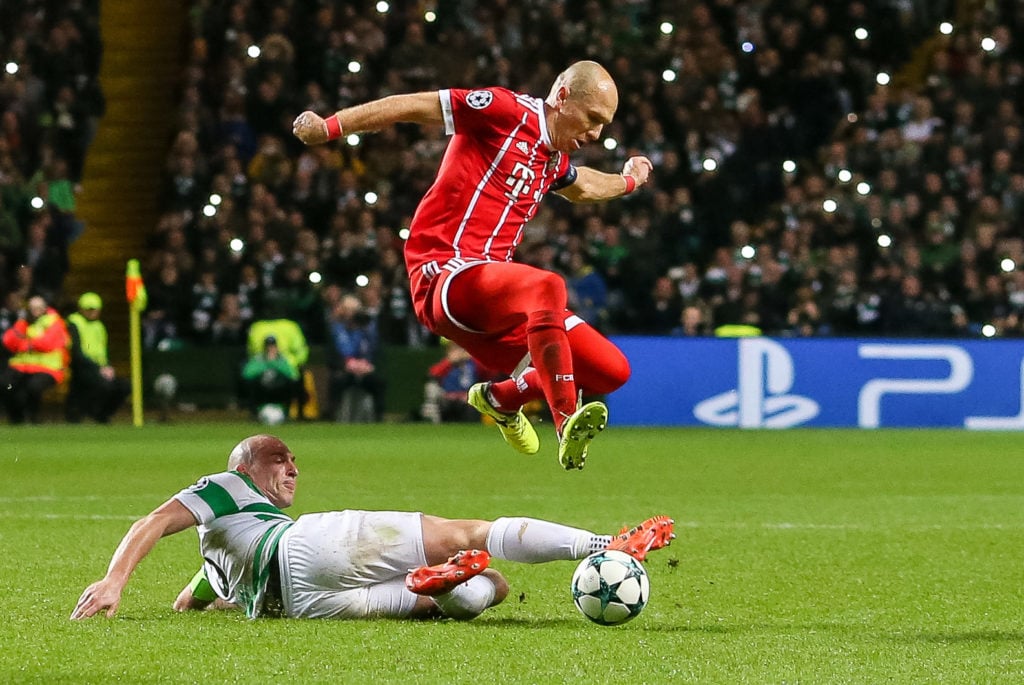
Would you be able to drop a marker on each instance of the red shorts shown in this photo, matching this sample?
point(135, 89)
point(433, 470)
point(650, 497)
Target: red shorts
point(500, 351)
point(502, 297)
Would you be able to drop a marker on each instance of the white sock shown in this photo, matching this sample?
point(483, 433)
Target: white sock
point(467, 600)
point(533, 541)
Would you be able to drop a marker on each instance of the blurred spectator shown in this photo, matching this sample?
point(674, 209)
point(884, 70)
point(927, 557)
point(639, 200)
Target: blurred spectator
point(448, 384)
point(11, 238)
point(588, 293)
point(913, 312)
point(230, 326)
point(661, 310)
point(46, 254)
point(352, 362)
point(38, 345)
point(94, 389)
point(11, 311)
point(162, 320)
point(205, 297)
point(692, 323)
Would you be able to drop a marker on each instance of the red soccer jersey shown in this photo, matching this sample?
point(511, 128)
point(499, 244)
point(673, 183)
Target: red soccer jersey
point(498, 166)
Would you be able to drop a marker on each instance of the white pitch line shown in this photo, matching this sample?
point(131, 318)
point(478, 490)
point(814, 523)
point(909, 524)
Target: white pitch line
point(784, 526)
point(72, 517)
point(68, 498)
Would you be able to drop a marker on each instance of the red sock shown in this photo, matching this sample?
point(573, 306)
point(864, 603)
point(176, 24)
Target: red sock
point(511, 394)
point(552, 357)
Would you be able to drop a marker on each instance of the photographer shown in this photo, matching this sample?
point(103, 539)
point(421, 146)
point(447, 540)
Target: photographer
point(269, 378)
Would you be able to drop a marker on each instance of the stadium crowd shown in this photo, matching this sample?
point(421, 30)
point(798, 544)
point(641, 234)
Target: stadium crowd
point(792, 191)
point(796, 190)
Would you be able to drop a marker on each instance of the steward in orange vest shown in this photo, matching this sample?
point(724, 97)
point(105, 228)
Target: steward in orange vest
point(39, 345)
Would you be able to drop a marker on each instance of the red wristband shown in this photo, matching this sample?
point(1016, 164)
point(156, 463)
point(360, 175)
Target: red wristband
point(333, 127)
point(630, 183)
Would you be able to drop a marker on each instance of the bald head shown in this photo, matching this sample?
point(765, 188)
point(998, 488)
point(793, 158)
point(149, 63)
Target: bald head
point(247, 451)
point(241, 454)
point(589, 81)
point(582, 101)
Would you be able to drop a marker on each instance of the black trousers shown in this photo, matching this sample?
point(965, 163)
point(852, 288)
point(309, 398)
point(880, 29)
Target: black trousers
point(93, 396)
point(23, 393)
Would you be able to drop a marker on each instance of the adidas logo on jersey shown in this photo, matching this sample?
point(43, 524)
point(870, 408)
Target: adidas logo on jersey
point(523, 147)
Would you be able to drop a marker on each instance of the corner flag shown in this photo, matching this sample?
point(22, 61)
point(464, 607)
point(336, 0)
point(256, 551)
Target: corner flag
point(137, 301)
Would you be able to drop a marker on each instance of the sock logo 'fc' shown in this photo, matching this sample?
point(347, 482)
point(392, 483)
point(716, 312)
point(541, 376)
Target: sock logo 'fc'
point(564, 377)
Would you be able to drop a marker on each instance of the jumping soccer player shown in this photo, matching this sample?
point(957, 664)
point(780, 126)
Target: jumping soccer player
point(507, 151)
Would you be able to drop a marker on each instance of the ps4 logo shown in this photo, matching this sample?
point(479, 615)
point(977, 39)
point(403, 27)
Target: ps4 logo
point(766, 375)
point(960, 376)
point(761, 398)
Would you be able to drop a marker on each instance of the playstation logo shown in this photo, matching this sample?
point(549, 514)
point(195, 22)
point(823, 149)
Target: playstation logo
point(761, 400)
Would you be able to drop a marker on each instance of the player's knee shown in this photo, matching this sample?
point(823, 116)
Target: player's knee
point(464, 534)
point(501, 588)
point(549, 292)
point(612, 375)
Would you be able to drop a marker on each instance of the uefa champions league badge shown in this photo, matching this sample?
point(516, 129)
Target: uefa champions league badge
point(478, 99)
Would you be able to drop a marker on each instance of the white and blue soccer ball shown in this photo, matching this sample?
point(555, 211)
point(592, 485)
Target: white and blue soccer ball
point(610, 587)
point(271, 414)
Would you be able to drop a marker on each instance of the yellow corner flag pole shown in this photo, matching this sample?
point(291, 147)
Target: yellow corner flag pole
point(137, 300)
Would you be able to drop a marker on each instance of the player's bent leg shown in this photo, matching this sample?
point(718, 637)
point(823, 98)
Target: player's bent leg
point(498, 299)
point(599, 365)
point(470, 599)
point(515, 428)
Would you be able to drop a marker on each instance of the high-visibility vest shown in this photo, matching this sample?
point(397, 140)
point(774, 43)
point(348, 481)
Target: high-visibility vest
point(92, 336)
point(53, 362)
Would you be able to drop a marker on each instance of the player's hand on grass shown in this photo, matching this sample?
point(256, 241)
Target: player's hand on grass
point(310, 128)
point(103, 594)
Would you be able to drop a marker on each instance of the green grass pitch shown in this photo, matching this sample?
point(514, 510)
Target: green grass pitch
point(804, 556)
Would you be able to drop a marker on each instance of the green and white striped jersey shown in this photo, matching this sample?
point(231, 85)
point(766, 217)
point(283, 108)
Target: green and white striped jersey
point(239, 530)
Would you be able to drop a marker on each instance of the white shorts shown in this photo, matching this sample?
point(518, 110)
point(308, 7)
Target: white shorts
point(350, 564)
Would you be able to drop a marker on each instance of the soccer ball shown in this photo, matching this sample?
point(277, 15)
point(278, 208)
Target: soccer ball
point(271, 415)
point(165, 386)
point(610, 587)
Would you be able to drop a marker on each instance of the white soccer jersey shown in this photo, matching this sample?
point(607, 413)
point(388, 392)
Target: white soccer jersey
point(239, 530)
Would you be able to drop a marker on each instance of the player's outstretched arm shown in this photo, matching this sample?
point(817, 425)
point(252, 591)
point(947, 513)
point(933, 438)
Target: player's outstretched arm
point(592, 185)
point(411, 108)
point(171, 517)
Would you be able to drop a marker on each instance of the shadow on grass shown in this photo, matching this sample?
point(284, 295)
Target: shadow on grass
point(562, 623)
point(964, 637)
